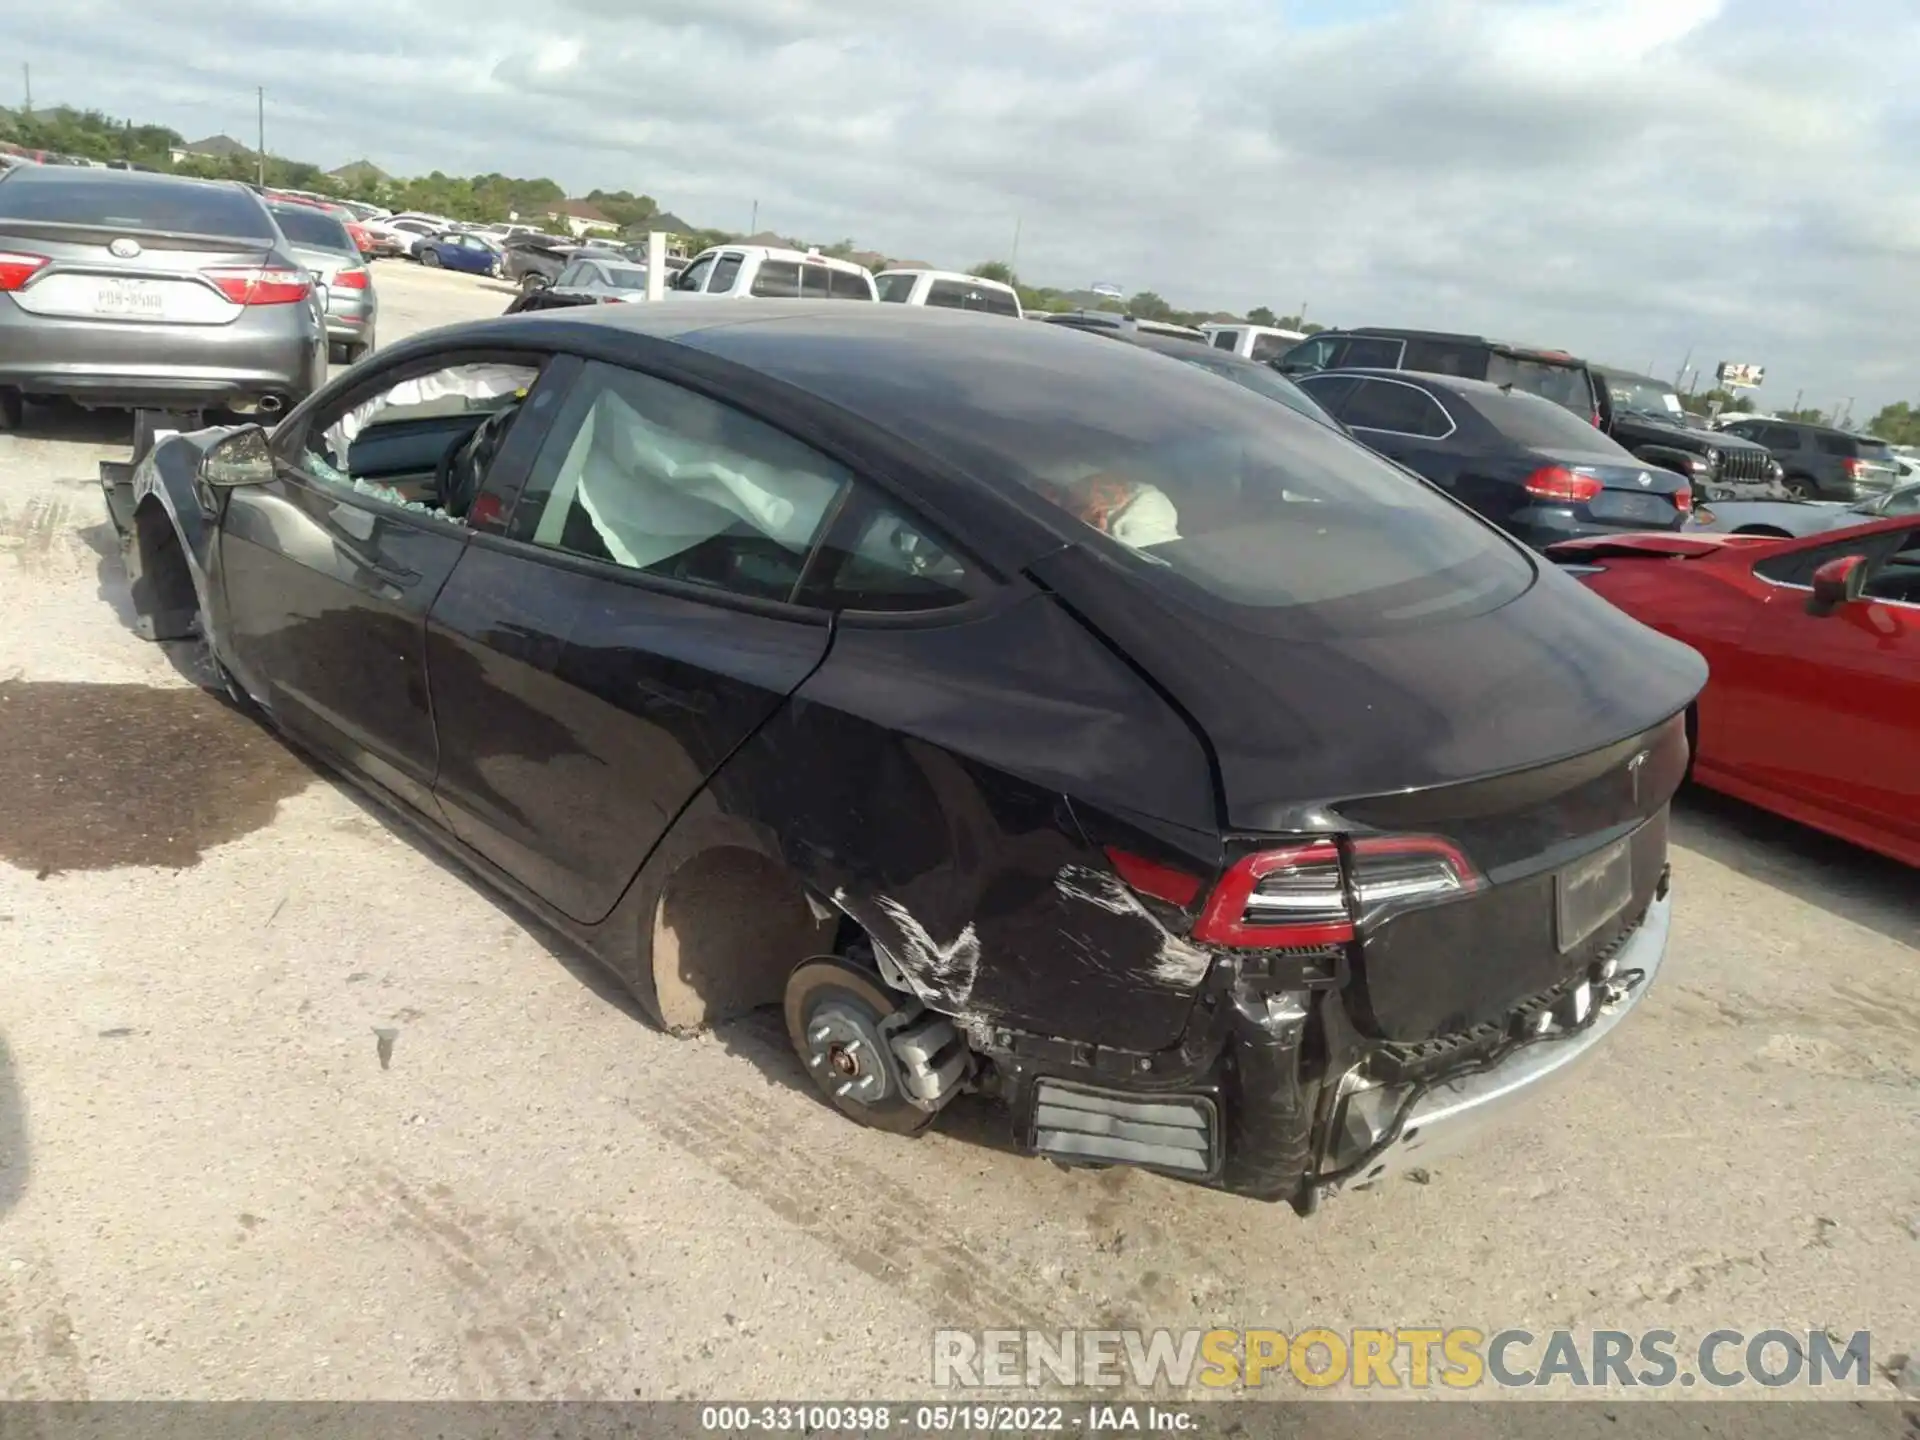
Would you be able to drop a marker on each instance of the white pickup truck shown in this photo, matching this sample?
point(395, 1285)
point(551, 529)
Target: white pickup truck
point(1252, 342)
point(764, 272)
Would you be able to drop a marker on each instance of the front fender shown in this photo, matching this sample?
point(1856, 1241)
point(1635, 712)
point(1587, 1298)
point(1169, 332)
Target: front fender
point(166, 481)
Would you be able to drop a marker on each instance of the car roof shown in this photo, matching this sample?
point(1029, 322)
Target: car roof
point(1451, 384)
point(66, 174)
point(1398, 332)
point(1614, 372)
point(777, 252)
point(959, 275)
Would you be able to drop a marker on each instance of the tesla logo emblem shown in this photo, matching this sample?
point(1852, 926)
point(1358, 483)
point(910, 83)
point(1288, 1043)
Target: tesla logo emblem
point(124, 248)
point(1634, 767)
point(1645, 478)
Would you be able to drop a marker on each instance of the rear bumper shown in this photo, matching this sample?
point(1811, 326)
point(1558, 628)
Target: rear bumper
point(1452, 1116)
point(161, 366)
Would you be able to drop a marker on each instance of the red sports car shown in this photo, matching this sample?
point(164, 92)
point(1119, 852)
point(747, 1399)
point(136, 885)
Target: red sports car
point(1813, 705)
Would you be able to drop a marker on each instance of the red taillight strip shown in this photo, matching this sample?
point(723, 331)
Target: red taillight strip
point(1223, 922)
point(1151, 878)
point(260, 285)
point(16, 269)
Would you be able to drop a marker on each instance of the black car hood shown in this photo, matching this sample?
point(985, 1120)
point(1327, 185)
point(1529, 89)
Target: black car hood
point(1297, 726)
point(1685, 436)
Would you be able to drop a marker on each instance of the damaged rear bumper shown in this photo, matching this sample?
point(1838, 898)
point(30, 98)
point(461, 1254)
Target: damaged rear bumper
point(1452, 1114)
point(1236, 1115)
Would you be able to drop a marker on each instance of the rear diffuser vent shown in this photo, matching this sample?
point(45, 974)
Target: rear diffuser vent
point(1176, 1133)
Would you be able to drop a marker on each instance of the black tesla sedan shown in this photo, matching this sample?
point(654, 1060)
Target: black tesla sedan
point(1532, 467)
point(1023, 715)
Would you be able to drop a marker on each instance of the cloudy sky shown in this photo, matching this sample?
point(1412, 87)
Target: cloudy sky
point(1631, 179)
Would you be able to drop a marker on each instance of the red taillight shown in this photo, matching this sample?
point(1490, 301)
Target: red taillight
point(1569, 487)
point(259, 285)
point(1151, 878)
point(1299, 895)
point(1597, 422)
point(1683, 500)
point(1851, 465)
point(349, 280)
point(16, 269)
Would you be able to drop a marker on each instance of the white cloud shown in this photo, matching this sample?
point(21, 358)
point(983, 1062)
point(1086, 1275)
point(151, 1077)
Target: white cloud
point(1630, 179)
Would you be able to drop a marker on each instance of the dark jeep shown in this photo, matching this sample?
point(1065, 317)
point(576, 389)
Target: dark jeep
point(1644, 415)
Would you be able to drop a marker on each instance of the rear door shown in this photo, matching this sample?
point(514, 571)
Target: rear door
point(1826, 708)
point(633, 627)
point(1405, 423)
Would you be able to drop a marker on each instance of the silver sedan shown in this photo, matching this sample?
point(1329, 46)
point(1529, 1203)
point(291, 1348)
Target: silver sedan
point(1796, 518)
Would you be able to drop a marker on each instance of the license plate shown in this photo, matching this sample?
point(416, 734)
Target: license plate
point(1630, 505)
point(1590, 892)
point(130, 299)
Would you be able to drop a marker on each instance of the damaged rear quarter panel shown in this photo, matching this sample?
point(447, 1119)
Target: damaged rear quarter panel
point(921, 779)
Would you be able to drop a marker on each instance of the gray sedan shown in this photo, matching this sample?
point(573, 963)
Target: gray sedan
point(124, 289)
point(346, 284)
point(1798, 518)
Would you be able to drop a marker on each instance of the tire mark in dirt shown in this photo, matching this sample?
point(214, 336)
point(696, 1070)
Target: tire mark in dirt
point(39, 534)
point(537, 1297)
point(888, 1232)
point(38, 1357)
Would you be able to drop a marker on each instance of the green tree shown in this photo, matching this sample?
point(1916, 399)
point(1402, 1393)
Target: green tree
point(1805, 417)
point(625, 209)
point(1897, 424)
point(996, 270)
point(1149, 306)
point(1260, 315)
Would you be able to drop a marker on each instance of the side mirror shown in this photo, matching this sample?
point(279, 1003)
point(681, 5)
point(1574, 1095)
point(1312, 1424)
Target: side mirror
point(241, 458)
point(1836, 583)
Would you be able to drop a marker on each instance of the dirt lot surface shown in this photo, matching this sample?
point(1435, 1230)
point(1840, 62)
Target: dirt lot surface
point(289, 1108)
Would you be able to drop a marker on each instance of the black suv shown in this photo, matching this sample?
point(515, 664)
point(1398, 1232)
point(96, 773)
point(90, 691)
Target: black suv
point(1821, 463)
point(1551, 374)
point(1644, 414)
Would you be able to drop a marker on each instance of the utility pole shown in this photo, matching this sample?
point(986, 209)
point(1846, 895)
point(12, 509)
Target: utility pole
point(1013, 257)
point(260, 96)
point(1681, 374)
point(26, 76)
point(753, 225)
point(1797, 396)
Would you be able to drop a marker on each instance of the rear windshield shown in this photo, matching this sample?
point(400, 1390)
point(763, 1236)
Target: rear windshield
point(626, 277)
point(313, 228)
point(1257, 378)
point(1209, 493)
point(1565, 385)
point(1525, 420)
point(1875, 450)
point(78, 198)
point(959, 295)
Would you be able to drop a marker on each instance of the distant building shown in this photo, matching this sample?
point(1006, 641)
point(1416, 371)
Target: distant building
point(582, 217)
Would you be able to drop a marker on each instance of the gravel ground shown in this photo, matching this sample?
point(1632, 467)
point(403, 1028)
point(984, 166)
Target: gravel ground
point(213, 1185)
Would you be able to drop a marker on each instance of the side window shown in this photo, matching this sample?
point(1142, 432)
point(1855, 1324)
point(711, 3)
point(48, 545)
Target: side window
point(1265, 347)
point(1370, 352)
point(1401, 409)
point(1224, 339)
point(846, 285)
point(1797, 567)
point(881, 560)
point(1315, 354)
point(1330, 392)
point(1780, 437)
point(1897, 577)
point(646, 475)
point(695, 275)
point(1834, 444)
point(387, 444)
point(571, 274)
point(777, 280)
point(725, 270)
point(814, 282)
point(896, 289)
point(1441, 357)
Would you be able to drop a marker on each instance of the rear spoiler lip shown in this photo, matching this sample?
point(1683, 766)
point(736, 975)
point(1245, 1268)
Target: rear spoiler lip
point(1659, 545)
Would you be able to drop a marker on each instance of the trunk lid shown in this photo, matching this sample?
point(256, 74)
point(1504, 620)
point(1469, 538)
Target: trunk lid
point(1529, 737)
point(164, 279)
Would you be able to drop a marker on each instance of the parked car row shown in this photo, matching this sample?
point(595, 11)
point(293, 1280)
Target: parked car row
point(1642, 414)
